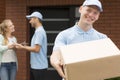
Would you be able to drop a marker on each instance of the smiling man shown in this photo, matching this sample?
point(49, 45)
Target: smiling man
point(82, 31)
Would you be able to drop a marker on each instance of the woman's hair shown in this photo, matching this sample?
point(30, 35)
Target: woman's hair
point(3, 27)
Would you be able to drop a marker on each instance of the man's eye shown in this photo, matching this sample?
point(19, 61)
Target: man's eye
point(88, 10)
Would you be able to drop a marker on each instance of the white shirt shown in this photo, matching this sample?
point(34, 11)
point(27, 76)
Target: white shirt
point(9, 55)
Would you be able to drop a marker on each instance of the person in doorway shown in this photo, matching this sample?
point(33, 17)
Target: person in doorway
point(38, 48)
point(82, 31)
point(8, 58)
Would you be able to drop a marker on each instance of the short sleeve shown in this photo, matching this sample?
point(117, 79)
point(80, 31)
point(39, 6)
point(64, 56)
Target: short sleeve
point(102, 36)
point(39, 37)
point(59, 41)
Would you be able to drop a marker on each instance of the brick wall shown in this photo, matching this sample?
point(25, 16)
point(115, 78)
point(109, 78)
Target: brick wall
point(2, 10)
point(108, 23)
point(16, 11)
point(53, 2)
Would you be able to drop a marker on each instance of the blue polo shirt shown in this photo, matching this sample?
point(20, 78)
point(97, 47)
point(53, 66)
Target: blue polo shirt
point(39, 60)
point(76, 35)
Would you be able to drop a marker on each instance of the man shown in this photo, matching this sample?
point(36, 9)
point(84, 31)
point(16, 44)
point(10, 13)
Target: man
point(81, 32)
point(38, 48)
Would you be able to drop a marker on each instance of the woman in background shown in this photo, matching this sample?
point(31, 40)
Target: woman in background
point(8, 57)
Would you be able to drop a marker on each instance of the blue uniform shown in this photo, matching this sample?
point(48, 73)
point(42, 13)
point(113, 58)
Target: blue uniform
point(76, 35)
point(39, 60)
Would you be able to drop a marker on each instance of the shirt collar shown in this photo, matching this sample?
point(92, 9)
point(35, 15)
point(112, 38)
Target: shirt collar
point(79, 30)
point(37, 29)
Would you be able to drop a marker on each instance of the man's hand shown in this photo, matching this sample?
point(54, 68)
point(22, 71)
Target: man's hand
point(59, 68)
point(56, 63)
point(19, 46)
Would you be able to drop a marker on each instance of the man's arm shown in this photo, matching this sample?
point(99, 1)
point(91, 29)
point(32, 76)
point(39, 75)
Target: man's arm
point(35, 48)
point(56, 62)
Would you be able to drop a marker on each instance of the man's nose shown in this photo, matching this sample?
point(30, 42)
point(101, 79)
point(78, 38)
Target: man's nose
point(91, 14)
point(30, 21)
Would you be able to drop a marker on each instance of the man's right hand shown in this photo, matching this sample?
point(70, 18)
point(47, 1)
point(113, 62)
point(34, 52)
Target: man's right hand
point(56, 63)
point(19, 46)
point(59, 68)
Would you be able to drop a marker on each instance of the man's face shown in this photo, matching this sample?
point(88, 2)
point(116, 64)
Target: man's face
point(89, 14)
point(33, 21)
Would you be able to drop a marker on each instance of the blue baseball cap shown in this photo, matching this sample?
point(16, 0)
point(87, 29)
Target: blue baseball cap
point(93, 2)
point(35, 14)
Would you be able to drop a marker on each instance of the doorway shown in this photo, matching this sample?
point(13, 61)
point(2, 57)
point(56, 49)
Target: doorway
point(55, 19)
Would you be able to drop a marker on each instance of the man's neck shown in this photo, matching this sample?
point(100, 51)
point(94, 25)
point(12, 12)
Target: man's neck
point(84, 27)
point(38, 25)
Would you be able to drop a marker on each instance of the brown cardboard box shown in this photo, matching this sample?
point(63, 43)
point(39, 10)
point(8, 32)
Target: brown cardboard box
point(92, 60)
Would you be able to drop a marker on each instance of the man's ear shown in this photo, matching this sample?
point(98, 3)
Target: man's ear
point(98, 17)
point(80, 8)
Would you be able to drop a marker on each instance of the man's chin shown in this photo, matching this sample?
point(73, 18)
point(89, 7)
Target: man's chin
point(32, 26)
point(88, 23)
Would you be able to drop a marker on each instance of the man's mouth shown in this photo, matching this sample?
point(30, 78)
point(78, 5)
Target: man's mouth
point(89, 19)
